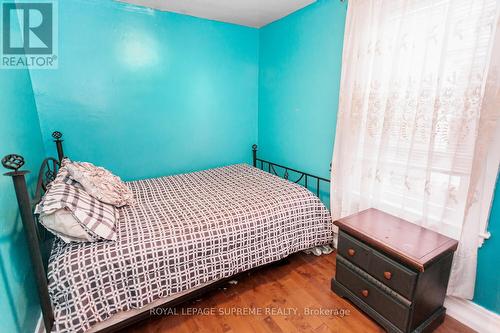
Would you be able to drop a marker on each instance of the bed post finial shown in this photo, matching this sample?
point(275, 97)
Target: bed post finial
point(254, 152)
point(57, 139)
point(15, 162)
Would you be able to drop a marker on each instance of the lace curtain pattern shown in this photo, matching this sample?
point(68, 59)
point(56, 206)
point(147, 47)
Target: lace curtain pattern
point(418, 116)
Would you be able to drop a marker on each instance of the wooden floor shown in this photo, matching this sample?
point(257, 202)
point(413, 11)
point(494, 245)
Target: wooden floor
point(275, 299)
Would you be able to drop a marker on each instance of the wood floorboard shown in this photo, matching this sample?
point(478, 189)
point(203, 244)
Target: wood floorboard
point(276, 300)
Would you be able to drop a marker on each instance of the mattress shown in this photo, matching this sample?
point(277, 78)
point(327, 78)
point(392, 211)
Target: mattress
point(182, 232)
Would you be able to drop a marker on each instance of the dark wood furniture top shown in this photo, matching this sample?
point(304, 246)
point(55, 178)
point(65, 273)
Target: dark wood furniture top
point(408, 242)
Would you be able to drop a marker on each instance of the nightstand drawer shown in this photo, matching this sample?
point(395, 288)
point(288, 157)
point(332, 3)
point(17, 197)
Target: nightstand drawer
point(354, 251)
point(392, 274)
point(383, 268)
point(390, 307)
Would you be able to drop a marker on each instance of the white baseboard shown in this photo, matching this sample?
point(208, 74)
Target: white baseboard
point(472, 315)
point(40, 327)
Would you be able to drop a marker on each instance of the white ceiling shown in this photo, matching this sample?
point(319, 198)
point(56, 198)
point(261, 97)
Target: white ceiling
point(252, 13)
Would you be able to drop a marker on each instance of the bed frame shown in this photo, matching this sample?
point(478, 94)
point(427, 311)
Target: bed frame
point(40, 240)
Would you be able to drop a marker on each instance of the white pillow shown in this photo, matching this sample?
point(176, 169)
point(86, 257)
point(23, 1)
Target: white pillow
point(63, 224)
point(100, 183)
point(63, 176)
point(95, 218)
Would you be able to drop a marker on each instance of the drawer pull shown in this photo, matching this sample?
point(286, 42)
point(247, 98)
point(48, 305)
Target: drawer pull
point(351, 252)
point(364, 292)
point(388, 275)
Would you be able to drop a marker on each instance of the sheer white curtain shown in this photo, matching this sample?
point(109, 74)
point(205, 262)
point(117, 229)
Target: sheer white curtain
point(418, 115)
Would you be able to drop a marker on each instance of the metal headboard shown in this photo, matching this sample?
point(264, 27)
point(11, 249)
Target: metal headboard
point(39, 240)
point(271, 168)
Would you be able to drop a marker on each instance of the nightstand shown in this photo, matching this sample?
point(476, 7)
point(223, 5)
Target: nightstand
point(395, 271)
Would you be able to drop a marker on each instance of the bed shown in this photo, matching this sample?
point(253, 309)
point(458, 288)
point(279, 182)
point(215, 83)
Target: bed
point(184, 234)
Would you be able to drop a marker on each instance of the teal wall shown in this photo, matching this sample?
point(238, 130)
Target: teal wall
point(487, 291)
point(20, 134)
point(299, 79)
point(148, 93)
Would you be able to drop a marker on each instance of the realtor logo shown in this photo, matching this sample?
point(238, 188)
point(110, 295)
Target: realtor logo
point(29, 34)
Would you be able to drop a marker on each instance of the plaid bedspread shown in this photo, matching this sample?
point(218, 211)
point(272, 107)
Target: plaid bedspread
point(183, 231)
